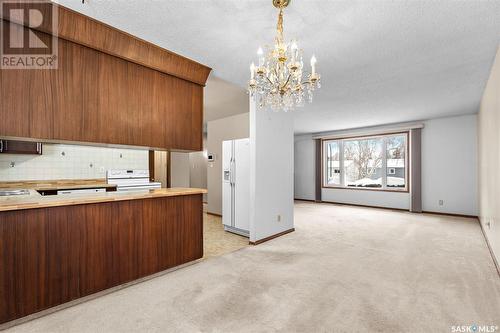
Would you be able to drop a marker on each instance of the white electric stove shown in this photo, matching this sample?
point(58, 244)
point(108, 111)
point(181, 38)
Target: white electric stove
point(131, 180)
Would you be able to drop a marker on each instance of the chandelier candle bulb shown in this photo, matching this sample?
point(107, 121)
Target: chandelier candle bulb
point(252, 71)
point(313, 65)
point(260, 53)
point(294, 52)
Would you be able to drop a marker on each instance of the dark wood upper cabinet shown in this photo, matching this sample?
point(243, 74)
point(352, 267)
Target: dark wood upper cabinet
point(105, 93)
point(86, 31)
point(14, 104)
point(20, 147)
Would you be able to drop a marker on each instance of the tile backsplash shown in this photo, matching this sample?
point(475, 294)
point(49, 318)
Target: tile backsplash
point(70, 162)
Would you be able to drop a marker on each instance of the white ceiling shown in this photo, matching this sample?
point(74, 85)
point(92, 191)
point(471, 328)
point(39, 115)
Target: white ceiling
point(381, 61)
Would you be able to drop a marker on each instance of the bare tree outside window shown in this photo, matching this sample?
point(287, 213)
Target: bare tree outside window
point(363, 162)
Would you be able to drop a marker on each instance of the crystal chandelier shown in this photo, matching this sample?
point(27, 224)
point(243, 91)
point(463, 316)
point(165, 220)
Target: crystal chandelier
point(277, 79)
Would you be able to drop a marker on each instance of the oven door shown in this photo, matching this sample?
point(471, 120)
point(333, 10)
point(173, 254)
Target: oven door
point(138, 187)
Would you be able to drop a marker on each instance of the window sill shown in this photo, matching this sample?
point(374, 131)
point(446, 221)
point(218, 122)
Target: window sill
point(402, 190)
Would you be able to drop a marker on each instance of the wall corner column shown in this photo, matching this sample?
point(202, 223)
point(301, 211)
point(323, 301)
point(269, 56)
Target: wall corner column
point(317, 166)
point(416, 170)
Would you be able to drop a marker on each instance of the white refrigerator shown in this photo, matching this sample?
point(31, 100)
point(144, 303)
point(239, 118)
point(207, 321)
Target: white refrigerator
point(236, 186)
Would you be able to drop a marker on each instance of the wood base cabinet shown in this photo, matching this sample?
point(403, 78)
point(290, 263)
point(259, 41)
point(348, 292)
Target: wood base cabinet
point(54, 255)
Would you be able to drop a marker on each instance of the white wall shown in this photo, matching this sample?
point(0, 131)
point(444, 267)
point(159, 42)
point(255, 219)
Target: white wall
point(369, 198)
point(70, 162)
point(271, 172)
point(198, 171)
point(489, 159)
point(223, 99)
point(179, 170)
point(449, 165)
point(449, 171)
point(188, 170)
point(305, 164)
point(234, 127)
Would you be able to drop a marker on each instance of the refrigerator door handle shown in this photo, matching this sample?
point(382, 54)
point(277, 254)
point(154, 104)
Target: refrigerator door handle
point(233, 168)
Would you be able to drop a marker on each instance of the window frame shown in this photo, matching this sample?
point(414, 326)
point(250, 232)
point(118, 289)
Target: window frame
point(384, 187)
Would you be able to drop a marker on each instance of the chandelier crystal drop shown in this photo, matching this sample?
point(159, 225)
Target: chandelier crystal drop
point(276, 81)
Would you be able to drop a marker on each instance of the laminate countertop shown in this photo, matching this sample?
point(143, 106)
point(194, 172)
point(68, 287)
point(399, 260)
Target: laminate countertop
point(61, 184)
point(36, 200)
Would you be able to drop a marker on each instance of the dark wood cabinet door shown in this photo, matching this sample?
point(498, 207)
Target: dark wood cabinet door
point(8, 309)
point(183, 131)
point(95, 247)
point(67, 96)
point(75, 92)
point(63, 255)
point(140, 105)
point(90, 86)
point(41, 103)
point(164, 109)
point(39, 261)
point(191, 229)
point(156, 128)
point(196, 138)
point(112, 101)
point(30, 262)
point(126, 233)
point(14, 101)
point(149, 254)
point(170, 250)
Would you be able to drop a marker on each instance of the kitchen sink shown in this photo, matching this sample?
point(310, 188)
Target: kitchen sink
point(7, 192)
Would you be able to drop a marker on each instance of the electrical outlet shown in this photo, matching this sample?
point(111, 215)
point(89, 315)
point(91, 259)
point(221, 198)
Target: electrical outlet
point(441, 202)
point(278, 218)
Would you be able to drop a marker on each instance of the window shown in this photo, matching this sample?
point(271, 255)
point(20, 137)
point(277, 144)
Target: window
point(332, 156)
point(375, 162)
point(396, 158)
point(363, 162)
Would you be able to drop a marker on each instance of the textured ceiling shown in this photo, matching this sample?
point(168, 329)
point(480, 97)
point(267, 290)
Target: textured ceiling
point(380, 61)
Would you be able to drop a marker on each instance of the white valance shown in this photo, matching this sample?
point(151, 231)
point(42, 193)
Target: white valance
point(369, 131)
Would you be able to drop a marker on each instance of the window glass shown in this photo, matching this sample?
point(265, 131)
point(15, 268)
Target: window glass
point(396, 165)
point(376, 162)
point(332, 167)
point(363, 162)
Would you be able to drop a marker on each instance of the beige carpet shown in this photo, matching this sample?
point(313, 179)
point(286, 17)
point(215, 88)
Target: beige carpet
point(345, 269)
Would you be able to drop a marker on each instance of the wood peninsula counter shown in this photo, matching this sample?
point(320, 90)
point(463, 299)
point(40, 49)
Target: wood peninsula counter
point(54, 249)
